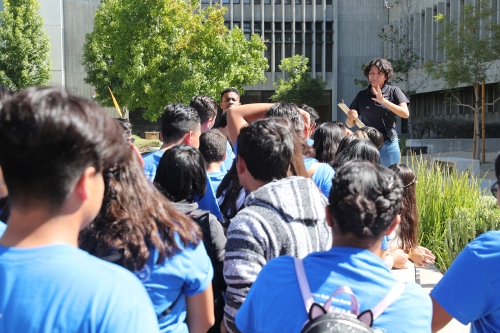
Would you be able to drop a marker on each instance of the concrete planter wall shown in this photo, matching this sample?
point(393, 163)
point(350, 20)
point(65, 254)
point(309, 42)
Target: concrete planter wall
point(447, 145)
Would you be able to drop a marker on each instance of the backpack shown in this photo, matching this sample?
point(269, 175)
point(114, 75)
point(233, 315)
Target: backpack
point(321, 321)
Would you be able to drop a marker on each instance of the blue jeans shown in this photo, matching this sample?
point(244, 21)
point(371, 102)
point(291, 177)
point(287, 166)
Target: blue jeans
point(390, 153)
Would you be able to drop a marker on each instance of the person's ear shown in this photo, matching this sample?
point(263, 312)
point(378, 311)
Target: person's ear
point(161, 137)
point(224, 158)
point(393, 225)
point(188, 138)
point(241, 166)
point(313, 127)
point(82, 187)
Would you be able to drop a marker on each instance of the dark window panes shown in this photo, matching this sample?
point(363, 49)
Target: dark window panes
point(277, 57)
point(298, 38)
point(288, 50)
point(277, 38)
point(309, 26)
point(329, 58)
point(267, 54)
point(319, 2)
point(318, 57)
point(288, 38)
point(277, 2)
point(288, 2)
point(247, 26)
point(268, 26)
point(328, 2)
point(267, 2)
point(256, 2)
point(237, 24)
point(225, 1)
point(329, 26)
point(288, 26)
point(247, 35)
point(298, 48)
point(298, 2)
point(298, 26)
point(227, 24)
point(319, 38)
point(319, 26)
point(246, 2)
point(268, 37)
point(309, 2)
point(257, 26)
point(236, 2)
point(329, 37)
point(309, 53)
point(309, 38)
point(277, 26)
point(204, 1)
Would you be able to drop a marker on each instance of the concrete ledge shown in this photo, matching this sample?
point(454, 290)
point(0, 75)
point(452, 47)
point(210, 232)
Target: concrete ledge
point(448, 145)
point(459, 164)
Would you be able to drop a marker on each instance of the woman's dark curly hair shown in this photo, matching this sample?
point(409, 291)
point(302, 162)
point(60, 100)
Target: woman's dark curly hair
point(134, 218)
point(408, 228)
point(327, 137)
point(383, 65)
point(364, 199)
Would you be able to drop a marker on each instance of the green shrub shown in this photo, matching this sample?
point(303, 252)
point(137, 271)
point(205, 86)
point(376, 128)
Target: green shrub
point(452, 210)
point(144, 144)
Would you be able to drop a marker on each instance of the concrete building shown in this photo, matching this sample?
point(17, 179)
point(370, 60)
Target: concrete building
point(338, 36)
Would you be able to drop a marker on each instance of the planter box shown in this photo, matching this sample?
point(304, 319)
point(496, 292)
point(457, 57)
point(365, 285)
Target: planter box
point(448, 145)
point(152, 135)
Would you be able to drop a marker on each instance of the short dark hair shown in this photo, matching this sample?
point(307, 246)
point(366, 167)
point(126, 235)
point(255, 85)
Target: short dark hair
point(213, 146)
point(127, 126)
point(225, 91)
point(357, 149)
point(289, 111)
point(206, 107)
point(373, 135)
point(177, 120)
point(181, 173)
point(314, 114)
point(5, 94)
point(340, 124)
point(383, 65)
point(48, 137)
point(364, 199)
point(267, 148)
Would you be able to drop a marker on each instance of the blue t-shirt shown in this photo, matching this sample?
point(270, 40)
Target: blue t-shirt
point(208, 202)
point(274, 303)
point(385, 243)
point(310, 142)
point(216, 179)
point(470, 289)
point(60, 288)
point(3, 226)
point(187, 273)
point(228, 162)
point(322, 176)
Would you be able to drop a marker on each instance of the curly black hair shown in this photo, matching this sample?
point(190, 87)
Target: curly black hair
point(383, 65)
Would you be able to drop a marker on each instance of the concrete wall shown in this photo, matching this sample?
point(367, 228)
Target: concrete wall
point(448, 145)
point(52, 13)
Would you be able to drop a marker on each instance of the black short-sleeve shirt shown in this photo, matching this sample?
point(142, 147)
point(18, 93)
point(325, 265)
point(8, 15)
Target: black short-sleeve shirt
point(376, 115)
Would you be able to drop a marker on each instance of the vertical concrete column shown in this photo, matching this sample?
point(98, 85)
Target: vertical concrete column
point(417, 44)
point(441, 9)
point(52, 13)
point(428, 37)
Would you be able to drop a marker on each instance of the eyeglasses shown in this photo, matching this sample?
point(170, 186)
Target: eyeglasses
point(132, 140)
point(494, 189)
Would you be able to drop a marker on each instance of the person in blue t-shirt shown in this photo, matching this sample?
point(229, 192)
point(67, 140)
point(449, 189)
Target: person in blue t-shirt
point(47, 284)
point(3, 226)
point(180, 124)
point(213, 149)
point(470, 289)
point(140, 229)
point(363, 207)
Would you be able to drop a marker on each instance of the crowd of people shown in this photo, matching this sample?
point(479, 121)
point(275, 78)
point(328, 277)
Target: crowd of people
point(270, 222)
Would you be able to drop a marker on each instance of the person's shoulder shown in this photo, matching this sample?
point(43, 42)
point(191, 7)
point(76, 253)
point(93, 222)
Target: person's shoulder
point(153, 157)
point(3, 226)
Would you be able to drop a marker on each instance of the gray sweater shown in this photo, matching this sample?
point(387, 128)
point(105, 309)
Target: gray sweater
point(283, 217)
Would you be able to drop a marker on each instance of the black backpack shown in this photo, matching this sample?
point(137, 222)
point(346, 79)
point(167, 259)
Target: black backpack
point(322, 321)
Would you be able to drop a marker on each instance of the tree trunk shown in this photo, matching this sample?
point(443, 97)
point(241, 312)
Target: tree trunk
point(477, 132)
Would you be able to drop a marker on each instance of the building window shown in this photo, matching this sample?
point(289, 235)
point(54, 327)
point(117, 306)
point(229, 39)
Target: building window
point(268, 26)
point(277, 2)
point(298, 2)
point(329, 57)
point(288, 50)
point(226, 2)
point(277, 56)
point(288, 2)
point(256, 2)
point(246, 2)
point(328, 2)
point(237, 24)
point(309, 37)
point(288, 38)
point(319, 26)
point(277, 26)
point(204, 1)
point(288, 26)
point(319, 38)
point(247, 26)
point(227, 24)
point(257, 26)
point(277, 37)
point(329, 26)
point(268, 55)
point(319, 52)
point(268, 37)
point(298, 26)
point(309, 27)
point(298, 38)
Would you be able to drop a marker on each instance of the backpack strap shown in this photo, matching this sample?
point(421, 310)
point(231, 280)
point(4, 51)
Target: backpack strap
point(395, 292)
point(344, 290)
point(304, 285)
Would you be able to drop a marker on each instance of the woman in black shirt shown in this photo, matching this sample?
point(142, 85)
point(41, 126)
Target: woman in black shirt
point(378, 105)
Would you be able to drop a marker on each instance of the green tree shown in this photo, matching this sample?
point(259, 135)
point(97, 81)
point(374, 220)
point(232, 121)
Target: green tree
point(155, 52)
point(471, 47)
point(24, 45)
point(301, 87)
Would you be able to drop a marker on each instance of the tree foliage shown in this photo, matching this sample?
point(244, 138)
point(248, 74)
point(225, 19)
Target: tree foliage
point(301, 87)
point(471, 46)
point(154, 52)
point(24, 45)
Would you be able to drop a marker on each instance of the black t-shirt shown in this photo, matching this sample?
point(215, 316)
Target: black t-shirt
point(376, 115)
